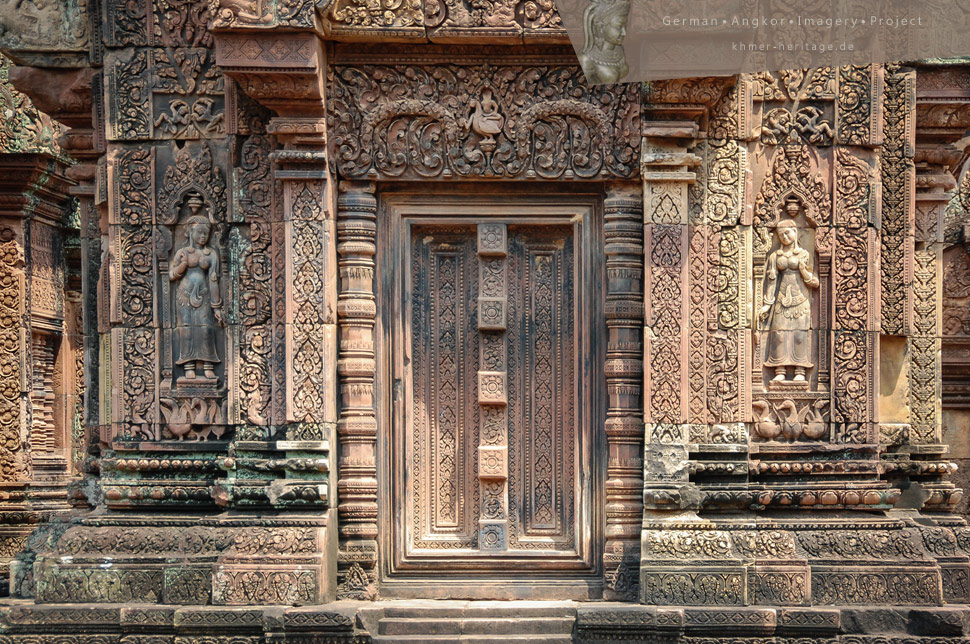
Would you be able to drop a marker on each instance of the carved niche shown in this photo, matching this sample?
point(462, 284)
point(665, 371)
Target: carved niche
point(192, 270)
point(791, 275)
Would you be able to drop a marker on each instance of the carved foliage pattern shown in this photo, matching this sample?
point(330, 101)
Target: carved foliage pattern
point(853, 249)
point(722, 379)
point(410, 122)
point(259, 586)
point(693, 589)
point(311, 237)
point(136, 274)
point(924, 369)
point(897, 175)
point(852, 355)
point(125, 23)
point(253, 206)
point(13, 458)
point(138, 391)
point(165, 94)
point(725, 183)
point(855, 104)
point(666, 264)
point(697, 320)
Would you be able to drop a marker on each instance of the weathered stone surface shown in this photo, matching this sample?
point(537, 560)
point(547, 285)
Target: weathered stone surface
point(443, 321)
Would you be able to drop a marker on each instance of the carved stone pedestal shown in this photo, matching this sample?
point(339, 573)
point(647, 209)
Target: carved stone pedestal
point(795, 561)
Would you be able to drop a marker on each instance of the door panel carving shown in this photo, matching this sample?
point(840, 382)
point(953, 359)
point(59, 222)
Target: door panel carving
point(492, 443)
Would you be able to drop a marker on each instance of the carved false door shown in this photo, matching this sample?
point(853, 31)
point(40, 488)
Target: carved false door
point(492, 425)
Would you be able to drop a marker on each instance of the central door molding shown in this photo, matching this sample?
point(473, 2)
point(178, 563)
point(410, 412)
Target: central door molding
point(514, 517)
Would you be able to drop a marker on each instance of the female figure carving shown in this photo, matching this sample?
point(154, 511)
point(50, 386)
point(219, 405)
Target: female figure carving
point(604, 25)
point(198, 302)
point(787, 312)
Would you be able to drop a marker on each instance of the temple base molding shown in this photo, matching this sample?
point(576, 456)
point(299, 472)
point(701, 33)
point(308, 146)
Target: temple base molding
point(560, 622)
point(231, 559)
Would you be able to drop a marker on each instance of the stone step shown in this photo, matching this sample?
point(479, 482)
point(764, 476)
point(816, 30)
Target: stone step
point(518, 626)
point(472, 639)
point(418, 626)
point(516, 639)
point(481, 609)
point(475, 626)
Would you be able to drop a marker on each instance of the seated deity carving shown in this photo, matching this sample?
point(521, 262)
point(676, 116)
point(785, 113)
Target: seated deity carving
point(485, 119)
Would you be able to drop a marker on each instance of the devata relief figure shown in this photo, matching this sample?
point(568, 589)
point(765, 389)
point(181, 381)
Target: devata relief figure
point(604, 25)
point(198, 302)
point(787, 312)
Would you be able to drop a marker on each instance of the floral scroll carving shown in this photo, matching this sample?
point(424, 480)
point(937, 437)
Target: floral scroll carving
point(13, 456)
point(553, 126)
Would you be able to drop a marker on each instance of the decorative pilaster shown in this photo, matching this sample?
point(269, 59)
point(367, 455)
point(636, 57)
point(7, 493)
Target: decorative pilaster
point(667, 174)
point(624, 384)
point(357, 426)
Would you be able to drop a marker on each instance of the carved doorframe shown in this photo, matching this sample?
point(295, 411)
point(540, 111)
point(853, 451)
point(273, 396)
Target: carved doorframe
point(560, 202)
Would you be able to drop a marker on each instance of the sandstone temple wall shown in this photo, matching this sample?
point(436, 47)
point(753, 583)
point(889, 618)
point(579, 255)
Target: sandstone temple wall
point(319, 303)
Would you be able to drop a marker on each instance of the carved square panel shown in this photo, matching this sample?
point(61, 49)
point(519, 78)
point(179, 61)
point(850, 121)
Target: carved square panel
point(493, 462)
point(492, 535)
point(492, 388)
point(492, 313)
point(492, 240)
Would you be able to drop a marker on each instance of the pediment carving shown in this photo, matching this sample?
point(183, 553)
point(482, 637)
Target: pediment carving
point(543, 121)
